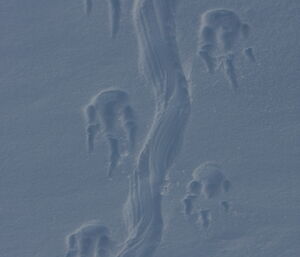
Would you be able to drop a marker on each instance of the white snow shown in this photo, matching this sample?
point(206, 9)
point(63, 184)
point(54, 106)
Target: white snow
point(57, 59)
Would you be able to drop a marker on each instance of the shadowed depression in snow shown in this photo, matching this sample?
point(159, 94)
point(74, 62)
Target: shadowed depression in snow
point(208, 182)
point(109, 113)
point(149, 128)
point(219, 33)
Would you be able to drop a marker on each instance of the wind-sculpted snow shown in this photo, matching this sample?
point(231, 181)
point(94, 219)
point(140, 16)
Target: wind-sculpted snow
point(219, 32)
point(159, 62)
point(110, 110)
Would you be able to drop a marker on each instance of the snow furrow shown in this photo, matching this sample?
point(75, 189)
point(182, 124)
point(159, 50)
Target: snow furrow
point(158, 57)
point(114, 16)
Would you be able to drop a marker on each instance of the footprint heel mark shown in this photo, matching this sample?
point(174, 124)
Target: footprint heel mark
point(88, 6)
point(205, 218)
point(220, 29)
point(130, 126)
point(110, 114)
point(219, 32)
point(228, 27)
point(114, 7)
point(211, 178)
point(90, 240)
point(108, 104)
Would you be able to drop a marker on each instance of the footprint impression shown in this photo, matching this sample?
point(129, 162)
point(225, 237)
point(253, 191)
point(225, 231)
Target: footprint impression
point(90, 240)
point(208, 182)
point(219, 32)
point(110, 114)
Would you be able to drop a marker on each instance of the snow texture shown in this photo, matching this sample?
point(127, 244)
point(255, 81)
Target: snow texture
point(149, 128)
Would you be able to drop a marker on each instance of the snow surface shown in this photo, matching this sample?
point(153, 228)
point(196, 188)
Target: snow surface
point(149, 128)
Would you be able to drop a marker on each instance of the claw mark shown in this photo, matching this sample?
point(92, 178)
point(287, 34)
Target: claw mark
point(90, 240)
point(219, 32)
point(226, 62)
point(115, 154)
point(88, 5)
point(114, 7)
point(248, 52)
point(114, 13)
point(92, 131)
point(193, 190)
point(209, 60)
point(204, 218)
point(226, 185)
point(105, 111)
point(129, 124)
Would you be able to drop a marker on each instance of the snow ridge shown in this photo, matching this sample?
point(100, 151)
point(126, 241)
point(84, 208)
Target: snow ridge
point(160, 64)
